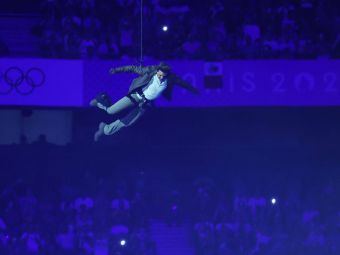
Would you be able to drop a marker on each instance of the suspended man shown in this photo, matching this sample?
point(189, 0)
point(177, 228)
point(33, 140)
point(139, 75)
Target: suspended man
point(152, 81)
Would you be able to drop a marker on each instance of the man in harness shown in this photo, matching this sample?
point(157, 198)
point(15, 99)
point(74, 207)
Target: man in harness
point(152, 82)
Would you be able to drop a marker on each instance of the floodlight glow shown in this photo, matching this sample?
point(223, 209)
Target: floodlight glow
point(165, 28)
point(273, 201)
point(122, 242)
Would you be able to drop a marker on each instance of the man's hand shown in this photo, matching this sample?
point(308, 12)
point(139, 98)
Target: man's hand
point(112, 70)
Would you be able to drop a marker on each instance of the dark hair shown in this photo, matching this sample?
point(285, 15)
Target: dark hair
point(165, 68)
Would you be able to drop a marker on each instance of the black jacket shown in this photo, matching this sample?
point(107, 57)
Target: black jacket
point(145, 75)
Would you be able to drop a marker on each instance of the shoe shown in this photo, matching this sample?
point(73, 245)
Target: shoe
point(99, 132)
point(93, 102)
point(102, 99)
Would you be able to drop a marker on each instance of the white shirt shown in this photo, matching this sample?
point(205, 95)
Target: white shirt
point(155, 88)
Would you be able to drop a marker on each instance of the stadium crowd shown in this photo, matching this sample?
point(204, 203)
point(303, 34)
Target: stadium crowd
point(207, 30)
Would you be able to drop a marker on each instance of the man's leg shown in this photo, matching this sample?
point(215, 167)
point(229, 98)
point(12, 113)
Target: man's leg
point(133, 116)
point(114, 127)
point(122, 104)
point(99, 132)
point(126, 121)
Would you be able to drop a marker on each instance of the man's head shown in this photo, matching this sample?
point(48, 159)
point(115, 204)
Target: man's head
point(161, 75)
point(163, 70)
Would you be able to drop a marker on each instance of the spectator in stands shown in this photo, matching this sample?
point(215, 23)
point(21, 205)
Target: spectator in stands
point(87, 7)
point(127, 43)
point(141, 243)
point(66, 239)
point(204, 238)
point(101, 244)
point(336, 47)
point(113, 47)
point(88, 47)
point(28, 206)
point(139, 211)
point(31, 240)
point(91, 26)
point(103, 48)
point(120, 208)
point(191, 48)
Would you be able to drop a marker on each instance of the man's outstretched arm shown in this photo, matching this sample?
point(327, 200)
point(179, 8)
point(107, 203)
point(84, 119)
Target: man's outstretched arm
point(184, 84)
point(130, 69)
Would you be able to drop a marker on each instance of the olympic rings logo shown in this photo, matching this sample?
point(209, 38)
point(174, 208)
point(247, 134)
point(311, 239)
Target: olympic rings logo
point(22, 82)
